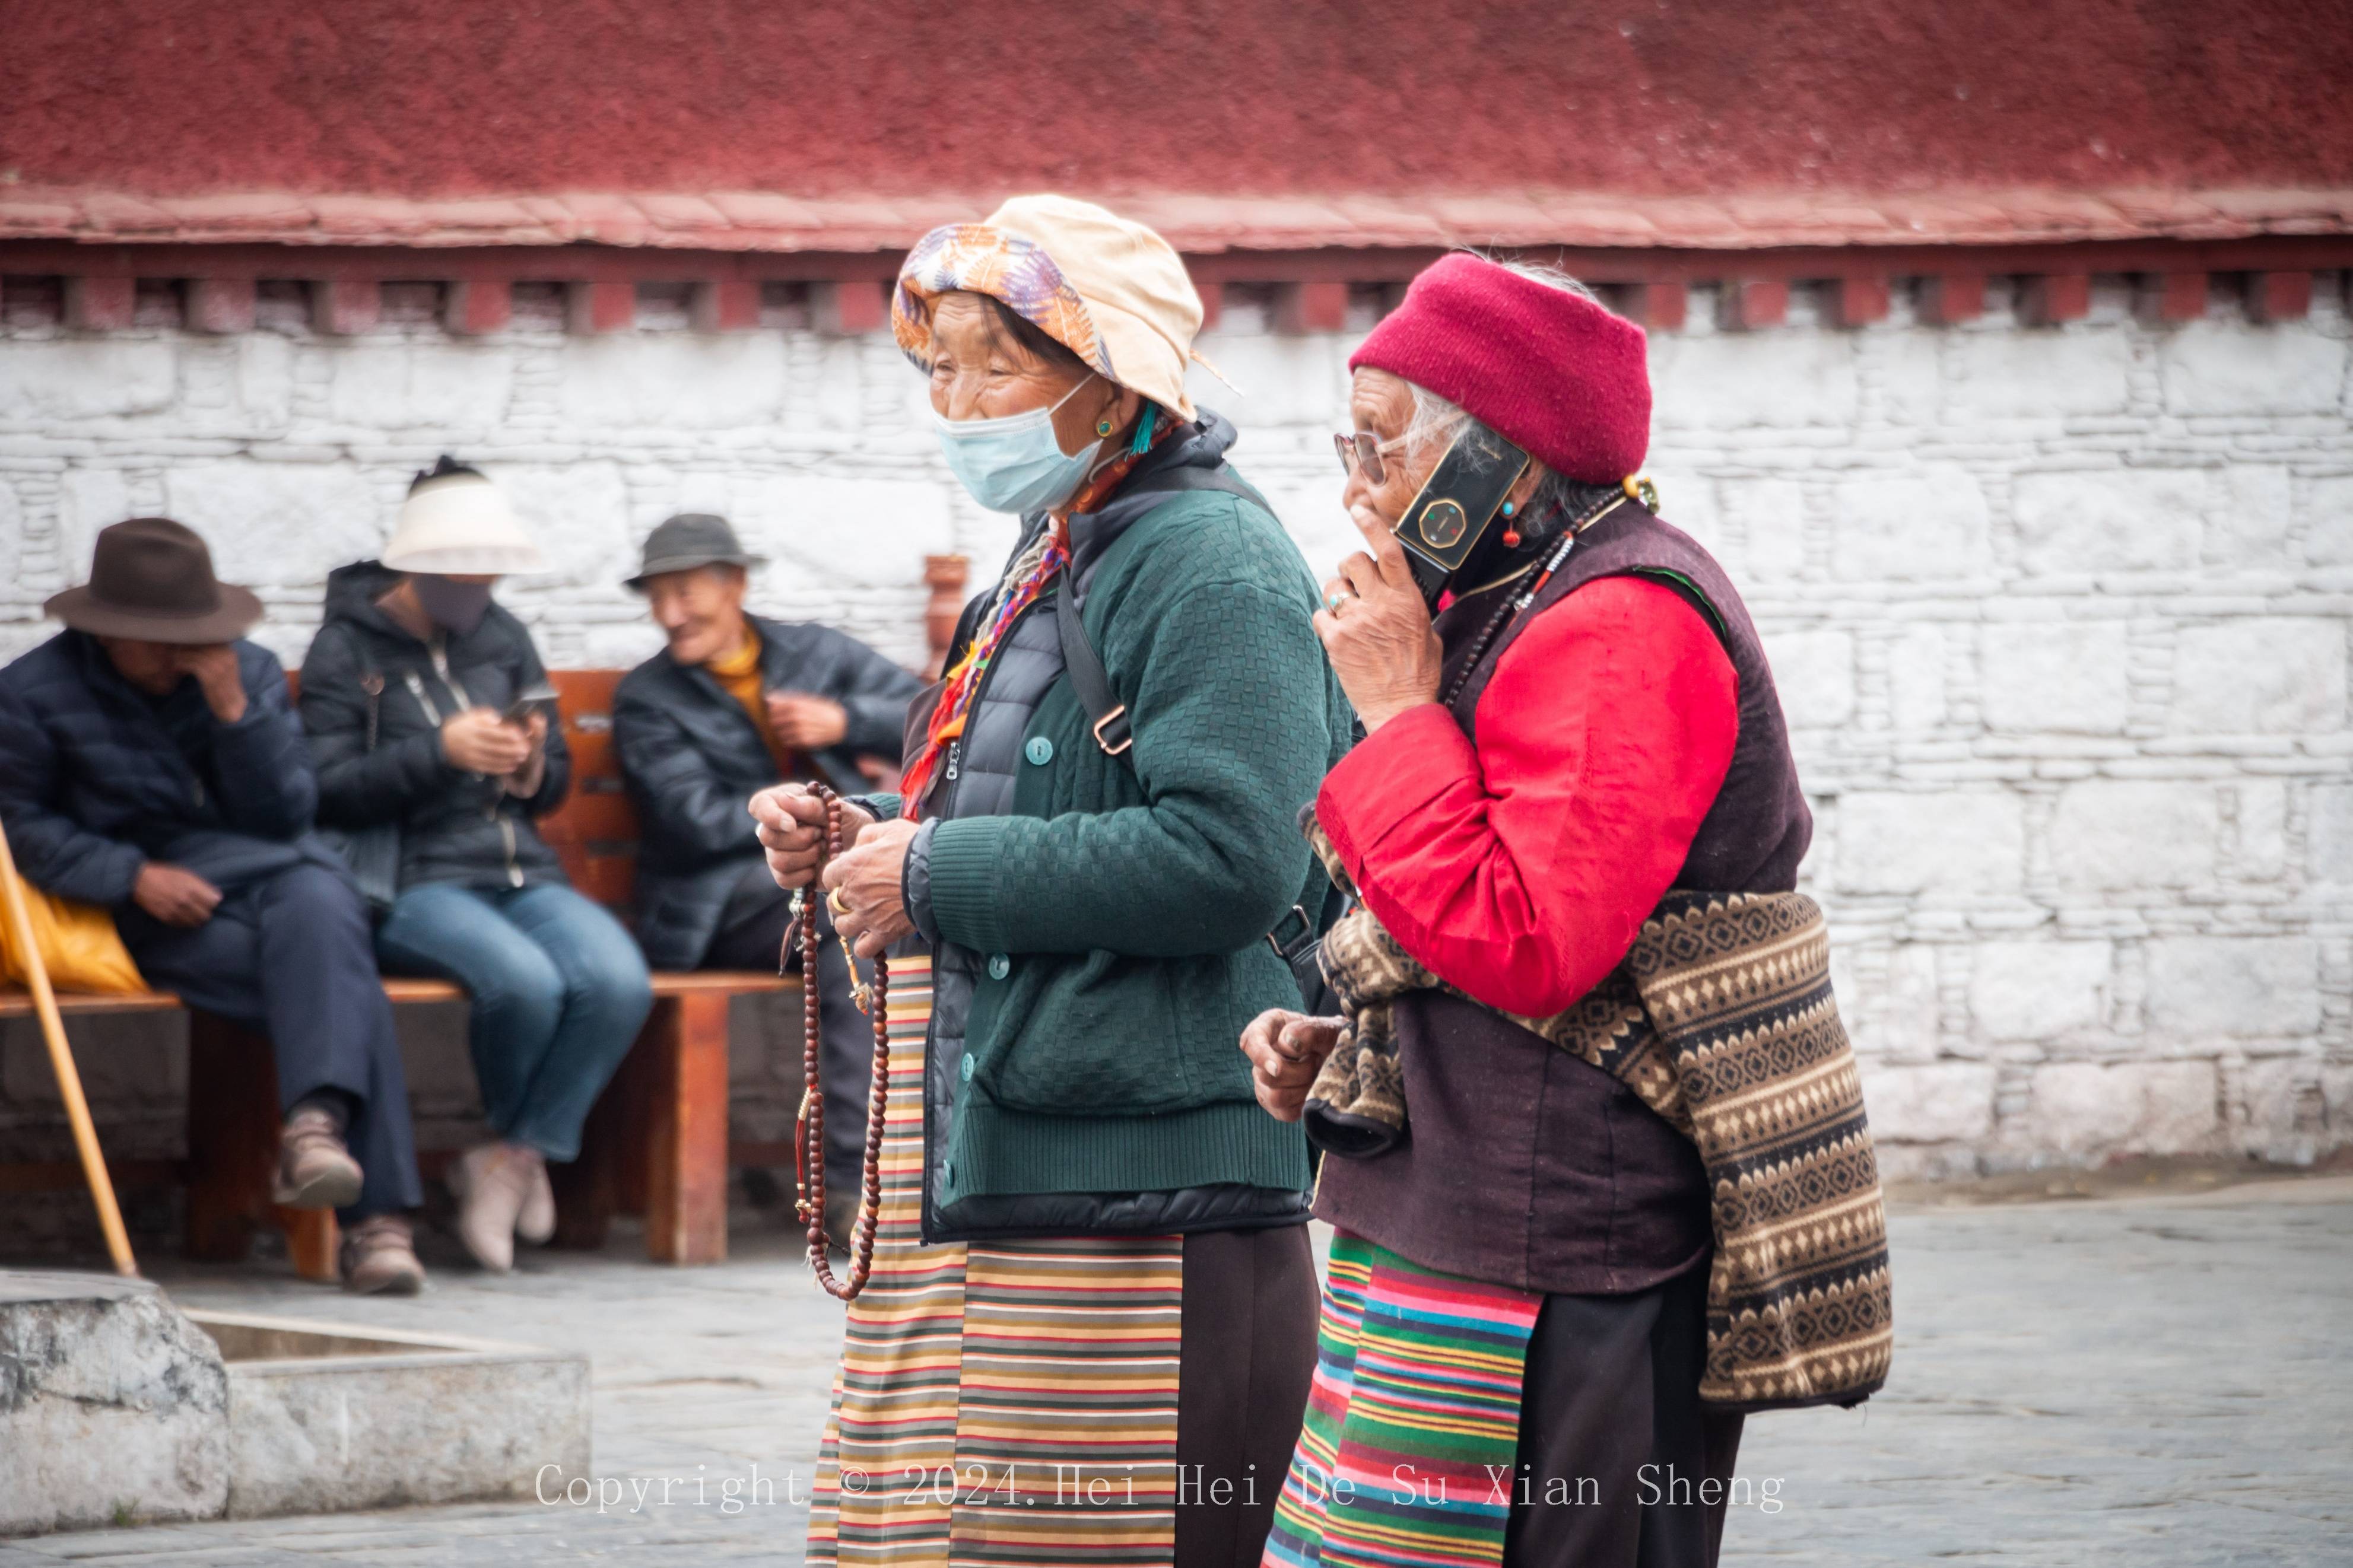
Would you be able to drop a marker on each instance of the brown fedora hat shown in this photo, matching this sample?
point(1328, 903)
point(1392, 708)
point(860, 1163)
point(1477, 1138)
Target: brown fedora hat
point(152, 579)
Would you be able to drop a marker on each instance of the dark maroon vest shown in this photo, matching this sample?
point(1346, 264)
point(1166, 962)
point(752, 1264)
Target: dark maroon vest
point(1522, 1166)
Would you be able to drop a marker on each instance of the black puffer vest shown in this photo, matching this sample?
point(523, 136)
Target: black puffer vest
point(1524, 1165)
point(1756, 832)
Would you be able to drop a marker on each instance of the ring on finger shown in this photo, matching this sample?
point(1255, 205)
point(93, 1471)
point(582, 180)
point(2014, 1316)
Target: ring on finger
point(836, 903)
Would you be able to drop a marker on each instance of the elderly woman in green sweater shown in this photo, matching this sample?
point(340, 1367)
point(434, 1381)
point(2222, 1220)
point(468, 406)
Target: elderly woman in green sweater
point(1090, 1326)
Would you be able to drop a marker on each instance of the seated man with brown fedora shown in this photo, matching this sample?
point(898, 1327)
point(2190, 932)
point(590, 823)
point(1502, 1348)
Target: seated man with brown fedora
point(151, 763)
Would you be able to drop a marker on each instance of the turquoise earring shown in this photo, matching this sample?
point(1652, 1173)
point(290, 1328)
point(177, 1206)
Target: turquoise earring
point(1102, 427)
point(1510, 535)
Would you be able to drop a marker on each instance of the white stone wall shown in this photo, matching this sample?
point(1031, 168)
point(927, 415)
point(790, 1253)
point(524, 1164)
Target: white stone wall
point(2060, 616)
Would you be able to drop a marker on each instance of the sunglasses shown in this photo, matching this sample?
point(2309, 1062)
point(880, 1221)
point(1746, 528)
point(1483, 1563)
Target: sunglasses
point(1363, 449)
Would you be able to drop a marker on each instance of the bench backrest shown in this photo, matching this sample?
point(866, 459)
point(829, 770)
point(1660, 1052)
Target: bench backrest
point(595, 831)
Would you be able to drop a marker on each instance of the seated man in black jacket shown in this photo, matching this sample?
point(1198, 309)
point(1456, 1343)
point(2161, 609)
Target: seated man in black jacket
point(151, 763)
point(733, 705)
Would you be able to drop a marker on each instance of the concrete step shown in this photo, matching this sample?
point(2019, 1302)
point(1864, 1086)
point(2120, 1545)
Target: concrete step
point(323, 1418)
point(117, 1407)
point(114, 1406)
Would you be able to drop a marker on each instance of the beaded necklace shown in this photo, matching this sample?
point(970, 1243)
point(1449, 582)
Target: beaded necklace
point(1509, 610)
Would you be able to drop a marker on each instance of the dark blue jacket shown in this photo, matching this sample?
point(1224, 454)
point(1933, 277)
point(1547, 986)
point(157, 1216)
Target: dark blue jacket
point(692, 757)
point(97, 778)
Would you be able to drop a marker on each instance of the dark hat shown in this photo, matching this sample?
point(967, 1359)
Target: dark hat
point(690, 539)
point(152, 579)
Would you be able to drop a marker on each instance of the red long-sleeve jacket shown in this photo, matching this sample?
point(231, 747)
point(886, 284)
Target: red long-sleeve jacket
point(1520, 869)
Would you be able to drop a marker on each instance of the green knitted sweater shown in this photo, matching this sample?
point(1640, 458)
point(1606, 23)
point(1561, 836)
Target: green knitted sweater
point(1124, 902)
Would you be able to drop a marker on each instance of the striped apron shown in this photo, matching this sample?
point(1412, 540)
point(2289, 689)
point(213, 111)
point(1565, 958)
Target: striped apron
point(1413, 1420)
point(1009, 1402)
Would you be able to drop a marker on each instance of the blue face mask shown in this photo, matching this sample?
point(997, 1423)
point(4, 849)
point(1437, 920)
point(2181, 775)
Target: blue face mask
point(1014, 463)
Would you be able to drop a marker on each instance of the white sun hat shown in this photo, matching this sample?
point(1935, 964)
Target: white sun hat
point(456, 523)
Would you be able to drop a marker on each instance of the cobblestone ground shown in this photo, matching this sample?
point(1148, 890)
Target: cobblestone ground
point(2162, 1381)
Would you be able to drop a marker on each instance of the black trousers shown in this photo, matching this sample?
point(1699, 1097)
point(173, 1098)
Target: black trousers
point(751, 934)
point(292, 956)
point(1615, 1446)
point(1248, 1357)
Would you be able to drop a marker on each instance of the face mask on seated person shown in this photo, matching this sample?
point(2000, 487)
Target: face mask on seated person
point(1014, 463)
point(454, 607)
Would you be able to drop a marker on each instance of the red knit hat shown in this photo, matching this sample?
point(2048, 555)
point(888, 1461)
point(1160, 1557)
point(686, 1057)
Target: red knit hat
point(1551, 371)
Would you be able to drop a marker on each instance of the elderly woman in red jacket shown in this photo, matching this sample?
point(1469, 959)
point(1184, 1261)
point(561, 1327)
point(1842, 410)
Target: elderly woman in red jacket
point(1512, 1334)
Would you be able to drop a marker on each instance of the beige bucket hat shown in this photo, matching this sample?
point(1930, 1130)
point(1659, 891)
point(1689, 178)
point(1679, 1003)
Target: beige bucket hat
point(456, 521)
point(1109, 289)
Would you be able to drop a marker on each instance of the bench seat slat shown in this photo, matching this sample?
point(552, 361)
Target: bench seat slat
point(402, 990)
point(14, 1004)
point(708, 982)
point(398, 989)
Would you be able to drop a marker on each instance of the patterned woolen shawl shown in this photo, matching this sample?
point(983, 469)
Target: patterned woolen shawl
point(1721, 1020)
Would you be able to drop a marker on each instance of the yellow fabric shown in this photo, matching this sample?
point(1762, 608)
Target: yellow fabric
point(79, 945)
point(738, 675)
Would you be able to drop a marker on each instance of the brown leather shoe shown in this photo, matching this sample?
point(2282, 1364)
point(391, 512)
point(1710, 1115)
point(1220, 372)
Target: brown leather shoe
point(315, 1171)
point(380, 1258)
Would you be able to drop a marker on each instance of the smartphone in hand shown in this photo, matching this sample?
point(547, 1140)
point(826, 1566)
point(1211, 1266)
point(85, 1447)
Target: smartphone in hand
point(518, 711)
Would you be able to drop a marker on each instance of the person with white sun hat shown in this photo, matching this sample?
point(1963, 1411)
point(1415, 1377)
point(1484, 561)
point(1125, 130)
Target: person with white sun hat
point(432, 727)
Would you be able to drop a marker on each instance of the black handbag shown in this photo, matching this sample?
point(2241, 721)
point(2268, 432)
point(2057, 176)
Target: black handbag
point(1298, 938)
point(372, 852)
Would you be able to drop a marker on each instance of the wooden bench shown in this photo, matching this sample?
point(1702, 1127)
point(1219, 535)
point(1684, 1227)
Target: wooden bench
point(656, 1143)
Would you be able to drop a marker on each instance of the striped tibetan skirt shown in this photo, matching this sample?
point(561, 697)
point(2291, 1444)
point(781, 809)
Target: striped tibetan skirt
point(1413, 1421)
point(1011, 1403)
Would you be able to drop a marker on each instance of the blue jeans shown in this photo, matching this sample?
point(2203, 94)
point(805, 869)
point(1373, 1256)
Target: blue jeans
point(558, 990)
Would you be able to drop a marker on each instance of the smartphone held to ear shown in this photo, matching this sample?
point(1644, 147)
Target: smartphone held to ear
point(1449, 521)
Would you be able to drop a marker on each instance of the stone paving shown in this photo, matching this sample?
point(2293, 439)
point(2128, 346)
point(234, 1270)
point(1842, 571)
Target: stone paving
point(2160, 1381)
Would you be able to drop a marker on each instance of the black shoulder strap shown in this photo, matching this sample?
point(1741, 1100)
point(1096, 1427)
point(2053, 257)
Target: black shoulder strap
point(1087, 677)
point(371, 678)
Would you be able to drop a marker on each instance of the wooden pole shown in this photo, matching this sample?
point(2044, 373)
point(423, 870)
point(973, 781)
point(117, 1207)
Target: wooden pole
point(53, 1030)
